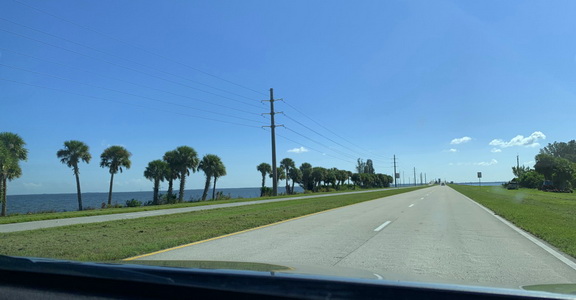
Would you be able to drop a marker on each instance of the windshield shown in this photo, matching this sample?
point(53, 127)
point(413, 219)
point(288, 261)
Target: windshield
point(426, 141)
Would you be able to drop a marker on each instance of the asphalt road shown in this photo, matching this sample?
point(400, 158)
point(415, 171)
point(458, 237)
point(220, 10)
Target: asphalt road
point(14, 227)
point(432, 235)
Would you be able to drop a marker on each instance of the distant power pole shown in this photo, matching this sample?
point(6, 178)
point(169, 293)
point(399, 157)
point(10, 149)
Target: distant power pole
point(395, 174)
point(273, 131)
point(421, 178)
point(414, 175)
point(425, 180)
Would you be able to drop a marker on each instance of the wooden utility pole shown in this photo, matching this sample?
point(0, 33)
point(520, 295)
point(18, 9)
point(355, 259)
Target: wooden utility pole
point(273, 131)
point(395, 176)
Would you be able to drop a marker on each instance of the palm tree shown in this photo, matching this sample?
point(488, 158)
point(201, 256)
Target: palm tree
point(280, 172)
point(12, 151)
point(212, 167)
point(296, 176)
point(263, 168)
point(288, 165)
point(73, 152)
point(208, 164)
point(114, 158)
point(182, 160)
point(156, 171)
point(170, 174)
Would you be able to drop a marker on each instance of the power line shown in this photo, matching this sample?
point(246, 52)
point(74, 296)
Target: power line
point(130, 94)
point(329, 130)
point(126, 81)
point(307, 146)
point(132, 61)
point(125, 67)
point(138, 47)
point(125, 103)
point(341, 153)
point(316, 132)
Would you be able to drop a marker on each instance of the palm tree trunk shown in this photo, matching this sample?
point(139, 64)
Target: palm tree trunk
point(170, 188)
point(182, 184)
point(110, 192)
point(78, 189)
point(206, 188)
point(156, 188)
point(263, 184)
point(3, 193)
point(292, 188)
point(287, 184)
point(214, 189)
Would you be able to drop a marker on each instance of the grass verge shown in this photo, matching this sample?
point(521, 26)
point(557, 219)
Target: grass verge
point(549, 216)
point(116, 240)
point(109, 211)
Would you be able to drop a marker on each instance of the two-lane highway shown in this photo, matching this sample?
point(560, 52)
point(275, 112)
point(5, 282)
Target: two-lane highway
point(434, 235)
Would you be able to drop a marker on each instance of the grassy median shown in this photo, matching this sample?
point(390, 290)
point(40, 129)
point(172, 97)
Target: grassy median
point(116, 240)
point(549, 216)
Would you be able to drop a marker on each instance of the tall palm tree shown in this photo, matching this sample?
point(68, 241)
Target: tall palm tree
point(219, 171)
point(12, 151)
point(263, 168)
point(208, 164)
point(170, 174)
point(115, 158)
point(288, 165)
point(280, 172)
point(296, 176)
point(182, 160)
point(73, 152)
point(156, 171)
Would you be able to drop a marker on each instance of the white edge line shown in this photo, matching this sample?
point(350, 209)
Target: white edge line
point(378, 276)
point(411, 205)
point(546, 248)
point(382, 226)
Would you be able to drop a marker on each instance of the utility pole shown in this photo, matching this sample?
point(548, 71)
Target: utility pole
point(425, 180)
point(395, 176)
point(273, 131)
point(414, 175)
point(421, 178)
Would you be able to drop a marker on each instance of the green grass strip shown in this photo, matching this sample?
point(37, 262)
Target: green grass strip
point(115, 240)
point(549, 216)
point(19, 218)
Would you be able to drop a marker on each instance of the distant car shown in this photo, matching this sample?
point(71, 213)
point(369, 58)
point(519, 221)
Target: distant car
point(512, 185)
point(442, 183)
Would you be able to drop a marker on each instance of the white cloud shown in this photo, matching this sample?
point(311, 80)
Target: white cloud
point(298, 150)
point(495, 150)
point(453, 150)
point(460, 140)
point(491, 162)
point(520, 140)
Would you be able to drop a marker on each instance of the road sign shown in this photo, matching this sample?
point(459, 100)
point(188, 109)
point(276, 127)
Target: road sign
point(479, 174)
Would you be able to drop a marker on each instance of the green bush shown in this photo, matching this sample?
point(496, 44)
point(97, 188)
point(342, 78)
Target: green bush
point(133, 203)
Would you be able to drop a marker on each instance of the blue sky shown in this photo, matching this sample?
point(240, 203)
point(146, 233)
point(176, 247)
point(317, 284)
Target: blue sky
point(450, 87)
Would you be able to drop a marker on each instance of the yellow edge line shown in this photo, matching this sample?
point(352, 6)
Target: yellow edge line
point(234, 233)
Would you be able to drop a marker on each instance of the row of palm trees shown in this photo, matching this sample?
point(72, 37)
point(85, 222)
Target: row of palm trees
point(306, 176)
point(312, 178)
point(177, 164)
point(115, 158)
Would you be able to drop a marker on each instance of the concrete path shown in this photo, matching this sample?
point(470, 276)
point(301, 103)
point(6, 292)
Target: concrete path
point(122, 216)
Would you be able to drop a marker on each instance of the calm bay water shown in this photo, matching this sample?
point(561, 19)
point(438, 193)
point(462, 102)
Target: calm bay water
point(69, 202)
